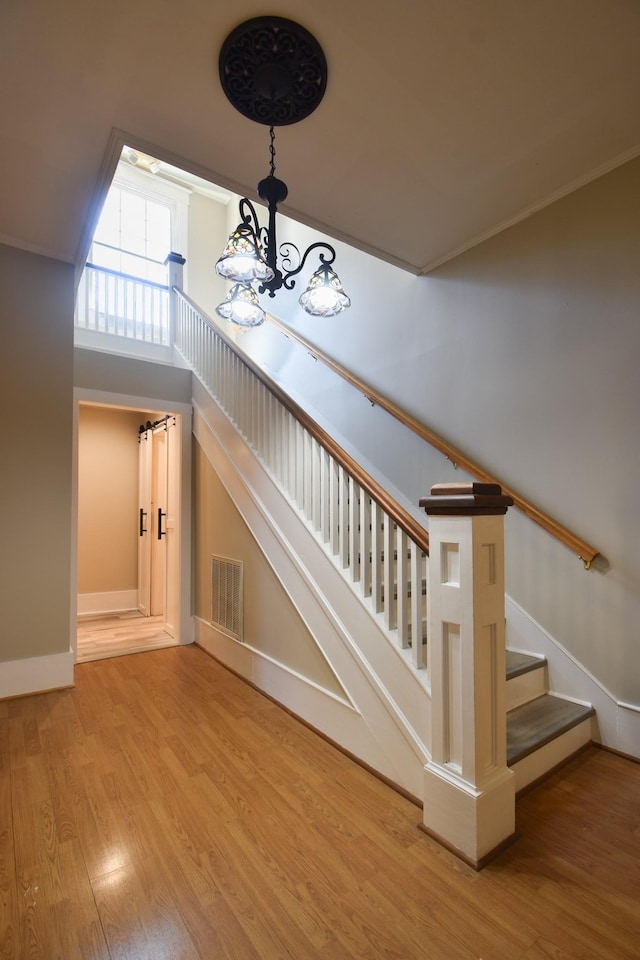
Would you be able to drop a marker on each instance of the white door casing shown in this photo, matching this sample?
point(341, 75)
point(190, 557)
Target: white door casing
point(172, 527)
point(180, 590)
point(158, 521)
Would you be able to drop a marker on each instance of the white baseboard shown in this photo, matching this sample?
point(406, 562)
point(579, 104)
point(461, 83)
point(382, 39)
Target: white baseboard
point(616, 725)
point(115, 601)
point(36, 675)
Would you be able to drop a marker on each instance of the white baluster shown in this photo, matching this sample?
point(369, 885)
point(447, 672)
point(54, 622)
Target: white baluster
point(343, 517)
point(416, 605)
point(211, 340)
point(307, 475)
point(299, 459)
point(289, 466)
point(388, 573)
point(377, 550)
point(354, 533)
point(291, 456)
point(334, 506)
point(268, 429)
point(365, 543)
point(402, 588)
point(273, 433)
point(325, 469)
point(316, 496)
point(276, 427)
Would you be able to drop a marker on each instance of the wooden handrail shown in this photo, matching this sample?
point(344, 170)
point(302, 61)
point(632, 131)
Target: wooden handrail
point(397, 513)
point(584, 550)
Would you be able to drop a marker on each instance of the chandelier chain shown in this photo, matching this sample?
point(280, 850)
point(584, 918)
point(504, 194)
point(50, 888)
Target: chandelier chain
point(272, 151)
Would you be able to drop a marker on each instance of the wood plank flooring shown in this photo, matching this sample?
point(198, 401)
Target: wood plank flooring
point(112, 635)
point(165, 810)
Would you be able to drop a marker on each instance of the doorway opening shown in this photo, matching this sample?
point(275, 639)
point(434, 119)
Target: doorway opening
point(129, 530)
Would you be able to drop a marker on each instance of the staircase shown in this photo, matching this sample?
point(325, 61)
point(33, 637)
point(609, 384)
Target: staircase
point(380, 552)
point(543, 730)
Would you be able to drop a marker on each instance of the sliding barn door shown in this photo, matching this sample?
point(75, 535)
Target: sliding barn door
point(159, 521)
point(159, 524)
point(144, 523)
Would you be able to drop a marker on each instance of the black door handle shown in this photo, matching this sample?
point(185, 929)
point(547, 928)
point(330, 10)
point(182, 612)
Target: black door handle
point(143, 517)
point(161, 533)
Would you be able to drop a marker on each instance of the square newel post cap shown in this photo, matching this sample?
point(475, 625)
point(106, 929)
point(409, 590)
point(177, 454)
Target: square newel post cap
point(174, 258)
point(470, 498)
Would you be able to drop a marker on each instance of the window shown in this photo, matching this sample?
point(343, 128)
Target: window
point(133, 235)
point(123, 290)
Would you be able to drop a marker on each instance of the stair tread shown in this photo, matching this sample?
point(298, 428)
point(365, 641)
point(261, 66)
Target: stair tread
point(536, 723)
point(519, 663)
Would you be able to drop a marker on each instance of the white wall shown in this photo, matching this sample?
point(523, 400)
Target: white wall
point(207, 237)
point(523, 353)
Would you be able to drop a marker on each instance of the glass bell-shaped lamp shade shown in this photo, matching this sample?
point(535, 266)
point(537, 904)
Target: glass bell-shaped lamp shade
point(242, 306)
point(242, 259)
point(324, 296)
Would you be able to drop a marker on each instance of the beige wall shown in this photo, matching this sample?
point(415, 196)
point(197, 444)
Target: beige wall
point(36, 389)
point(271, 624)
point(107, 498)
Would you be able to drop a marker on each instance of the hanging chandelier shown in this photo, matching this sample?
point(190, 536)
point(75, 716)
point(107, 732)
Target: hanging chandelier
point(274, 72)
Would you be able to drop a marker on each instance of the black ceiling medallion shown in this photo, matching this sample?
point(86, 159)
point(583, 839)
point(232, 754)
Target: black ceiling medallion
point(273, 71)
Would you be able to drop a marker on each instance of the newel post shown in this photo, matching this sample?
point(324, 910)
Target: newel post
point(175, 262)
point(469, 792)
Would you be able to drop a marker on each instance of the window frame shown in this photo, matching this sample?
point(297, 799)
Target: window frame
point(150, 187)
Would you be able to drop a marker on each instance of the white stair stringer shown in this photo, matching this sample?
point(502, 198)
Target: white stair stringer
point(386, 722)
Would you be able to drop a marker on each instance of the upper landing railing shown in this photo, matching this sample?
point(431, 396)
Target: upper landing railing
point(123, 305)
point(584, 551)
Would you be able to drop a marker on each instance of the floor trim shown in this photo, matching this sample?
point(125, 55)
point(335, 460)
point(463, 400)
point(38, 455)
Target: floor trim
point(20, 678)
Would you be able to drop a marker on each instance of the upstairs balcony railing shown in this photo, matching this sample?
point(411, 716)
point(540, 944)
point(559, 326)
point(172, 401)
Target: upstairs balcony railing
point(123, 305)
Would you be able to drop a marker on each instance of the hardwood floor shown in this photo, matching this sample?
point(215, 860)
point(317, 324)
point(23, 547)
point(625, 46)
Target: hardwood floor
point(165, 810)
point(112, 635)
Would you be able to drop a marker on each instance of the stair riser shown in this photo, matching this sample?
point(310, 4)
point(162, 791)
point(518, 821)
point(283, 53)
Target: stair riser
point(526, 687)
point(539, 763)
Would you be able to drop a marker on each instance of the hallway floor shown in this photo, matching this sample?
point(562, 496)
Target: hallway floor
point(112, 635)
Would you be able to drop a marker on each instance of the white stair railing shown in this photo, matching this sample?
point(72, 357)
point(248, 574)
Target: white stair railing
point(379, 547)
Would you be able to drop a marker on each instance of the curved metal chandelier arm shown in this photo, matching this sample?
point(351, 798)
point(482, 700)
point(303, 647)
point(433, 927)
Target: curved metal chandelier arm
point(328, 259)
point(289, 254)
point(248, 216)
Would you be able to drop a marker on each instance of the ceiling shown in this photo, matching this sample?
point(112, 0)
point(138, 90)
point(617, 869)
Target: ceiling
point(444, 121)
